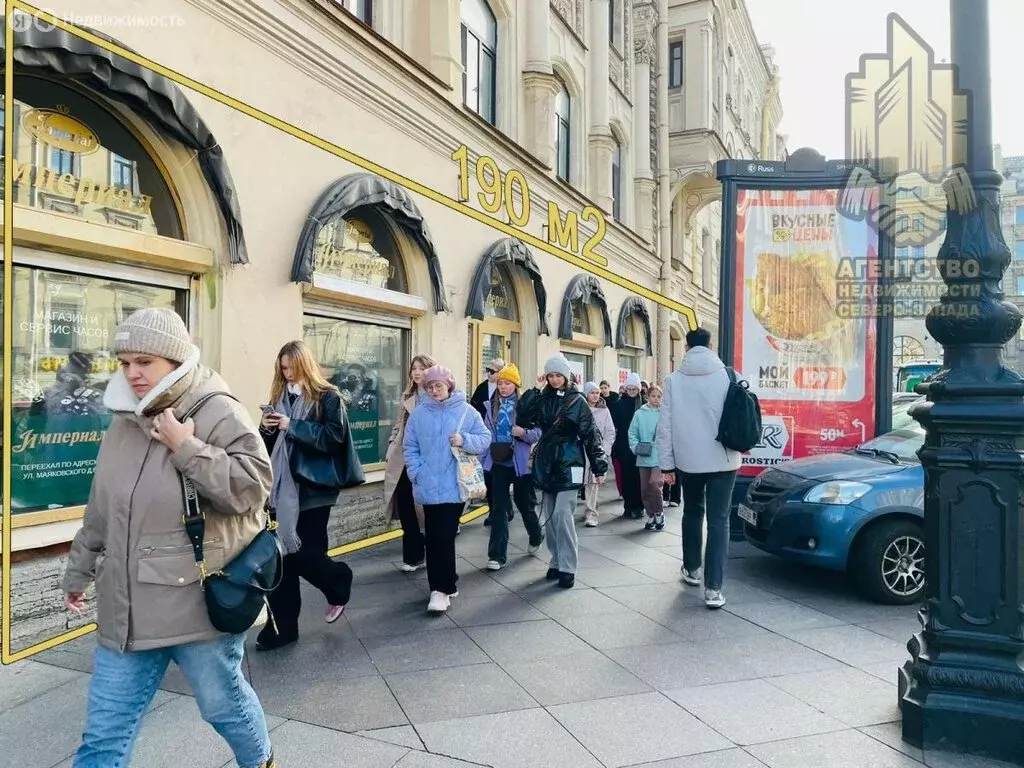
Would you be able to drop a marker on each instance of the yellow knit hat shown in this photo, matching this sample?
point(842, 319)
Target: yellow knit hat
point(511, 373)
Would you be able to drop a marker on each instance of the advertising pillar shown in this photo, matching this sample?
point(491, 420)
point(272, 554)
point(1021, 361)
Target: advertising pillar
point(805, 306)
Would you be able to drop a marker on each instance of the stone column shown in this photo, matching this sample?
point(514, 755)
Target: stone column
point(707, 76)
point(539, 85)
point(644, 184)
point(538, 42)
point(444, 40)
point(600, 141)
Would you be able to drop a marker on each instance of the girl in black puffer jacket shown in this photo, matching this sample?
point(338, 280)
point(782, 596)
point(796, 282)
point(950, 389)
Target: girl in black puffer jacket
point(562, 414)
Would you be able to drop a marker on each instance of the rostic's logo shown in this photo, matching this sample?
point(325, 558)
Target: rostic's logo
point(905, 110)
point(775, 445)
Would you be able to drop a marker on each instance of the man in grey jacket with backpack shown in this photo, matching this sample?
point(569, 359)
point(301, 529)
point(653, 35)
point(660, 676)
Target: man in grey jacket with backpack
point(687, 439)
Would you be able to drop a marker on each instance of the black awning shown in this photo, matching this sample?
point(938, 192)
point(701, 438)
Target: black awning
point(585, 288)
point(634, 305)
point(355, 191)
point(511, 252)
point(149, 95)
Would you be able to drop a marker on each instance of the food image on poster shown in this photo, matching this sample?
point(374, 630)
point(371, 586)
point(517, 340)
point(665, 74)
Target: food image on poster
point(811, 365)
point(794, 296)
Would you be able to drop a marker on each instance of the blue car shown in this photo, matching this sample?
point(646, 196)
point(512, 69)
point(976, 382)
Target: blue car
point(860, 512)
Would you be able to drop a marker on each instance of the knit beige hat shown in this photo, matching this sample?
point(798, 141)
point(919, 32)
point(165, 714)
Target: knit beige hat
point(158, 332)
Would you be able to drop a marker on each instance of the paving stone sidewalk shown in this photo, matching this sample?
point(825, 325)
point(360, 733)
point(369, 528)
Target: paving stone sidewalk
point(627, 669)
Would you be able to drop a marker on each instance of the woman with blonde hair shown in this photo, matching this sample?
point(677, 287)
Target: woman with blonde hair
point(305, 417)
point(398, 499)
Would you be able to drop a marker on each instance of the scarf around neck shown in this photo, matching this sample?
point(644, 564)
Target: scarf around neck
point(506, 417)
point(284, 494)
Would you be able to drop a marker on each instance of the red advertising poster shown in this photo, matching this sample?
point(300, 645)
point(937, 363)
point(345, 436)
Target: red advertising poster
point(806, 278)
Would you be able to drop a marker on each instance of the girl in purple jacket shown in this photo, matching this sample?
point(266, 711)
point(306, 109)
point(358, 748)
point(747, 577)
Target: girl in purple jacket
point(508, 462)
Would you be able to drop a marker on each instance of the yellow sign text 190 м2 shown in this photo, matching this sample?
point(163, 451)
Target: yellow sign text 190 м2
point(499, 190)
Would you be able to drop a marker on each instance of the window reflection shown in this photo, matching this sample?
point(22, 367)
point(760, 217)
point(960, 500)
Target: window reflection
point(360, 248)
point(114, 182)
point(580, 317)
point(563, 134)
point(367, 362)
point(62, 360)
point(479, 31)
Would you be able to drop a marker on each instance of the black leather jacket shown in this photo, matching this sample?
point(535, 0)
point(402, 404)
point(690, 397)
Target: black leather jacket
point(561, 448)
point(623, 411)
point(324, 431)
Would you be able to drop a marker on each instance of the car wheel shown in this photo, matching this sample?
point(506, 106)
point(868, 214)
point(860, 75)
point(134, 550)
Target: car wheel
point(889, 565)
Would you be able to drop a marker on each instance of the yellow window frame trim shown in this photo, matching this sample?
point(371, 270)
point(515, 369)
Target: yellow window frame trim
point(64, 233)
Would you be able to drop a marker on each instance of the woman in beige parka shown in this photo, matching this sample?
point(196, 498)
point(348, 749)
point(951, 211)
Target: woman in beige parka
point(397, 489)
point(150, 603)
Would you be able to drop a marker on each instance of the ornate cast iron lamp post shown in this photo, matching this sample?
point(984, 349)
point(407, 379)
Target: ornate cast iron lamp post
point(963, 689)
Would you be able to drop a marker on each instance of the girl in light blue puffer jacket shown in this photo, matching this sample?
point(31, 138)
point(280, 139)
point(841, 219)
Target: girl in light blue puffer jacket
point(442, 422)
point(643, 437)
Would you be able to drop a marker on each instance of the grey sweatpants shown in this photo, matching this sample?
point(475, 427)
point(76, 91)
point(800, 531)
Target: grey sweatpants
point(558, 511)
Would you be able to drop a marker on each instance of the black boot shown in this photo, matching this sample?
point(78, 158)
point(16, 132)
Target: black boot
point(553, 573)
point(567, 580)
point(269, 640)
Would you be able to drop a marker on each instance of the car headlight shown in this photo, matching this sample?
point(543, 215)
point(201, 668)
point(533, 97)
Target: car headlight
point(836, 492)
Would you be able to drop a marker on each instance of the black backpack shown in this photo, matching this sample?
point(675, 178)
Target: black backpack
point(740, 426)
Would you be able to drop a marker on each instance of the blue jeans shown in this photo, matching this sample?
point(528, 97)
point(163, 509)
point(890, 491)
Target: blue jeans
point(123, 686)
point(707, 494)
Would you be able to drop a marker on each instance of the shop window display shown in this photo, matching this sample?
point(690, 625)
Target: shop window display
point(582, 366)
point(367, 363)
point(62, 359)
point(360, 248)
point(91, 166)
point(631, 358)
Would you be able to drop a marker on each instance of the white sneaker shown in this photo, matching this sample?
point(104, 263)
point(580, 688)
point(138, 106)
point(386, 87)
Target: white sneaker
point(590, 520)
point(533, 549)
point(693, 578)
point(713, 598)
point(439, 602)
point(493, 565)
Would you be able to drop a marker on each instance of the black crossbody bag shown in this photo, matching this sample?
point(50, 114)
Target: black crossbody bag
point(236, 594)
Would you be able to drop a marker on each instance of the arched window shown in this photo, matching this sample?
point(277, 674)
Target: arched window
point(632, 353)
point(581, 318)
point(905, 349)
point(501, 300)
point(479, 58)
point(563, 132)
point(114, 181)
point(360, 248)
point(617, 181)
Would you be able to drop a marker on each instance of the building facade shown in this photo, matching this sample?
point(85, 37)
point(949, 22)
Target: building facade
point(1013, 232)
point(917, 242)
point(723, 102)
point(536, 120)
point(539, 114)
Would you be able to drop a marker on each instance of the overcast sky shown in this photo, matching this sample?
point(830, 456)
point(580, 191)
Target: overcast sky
point(816, 46)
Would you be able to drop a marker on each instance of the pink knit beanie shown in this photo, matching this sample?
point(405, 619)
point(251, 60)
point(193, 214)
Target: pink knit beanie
point(439, 373)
